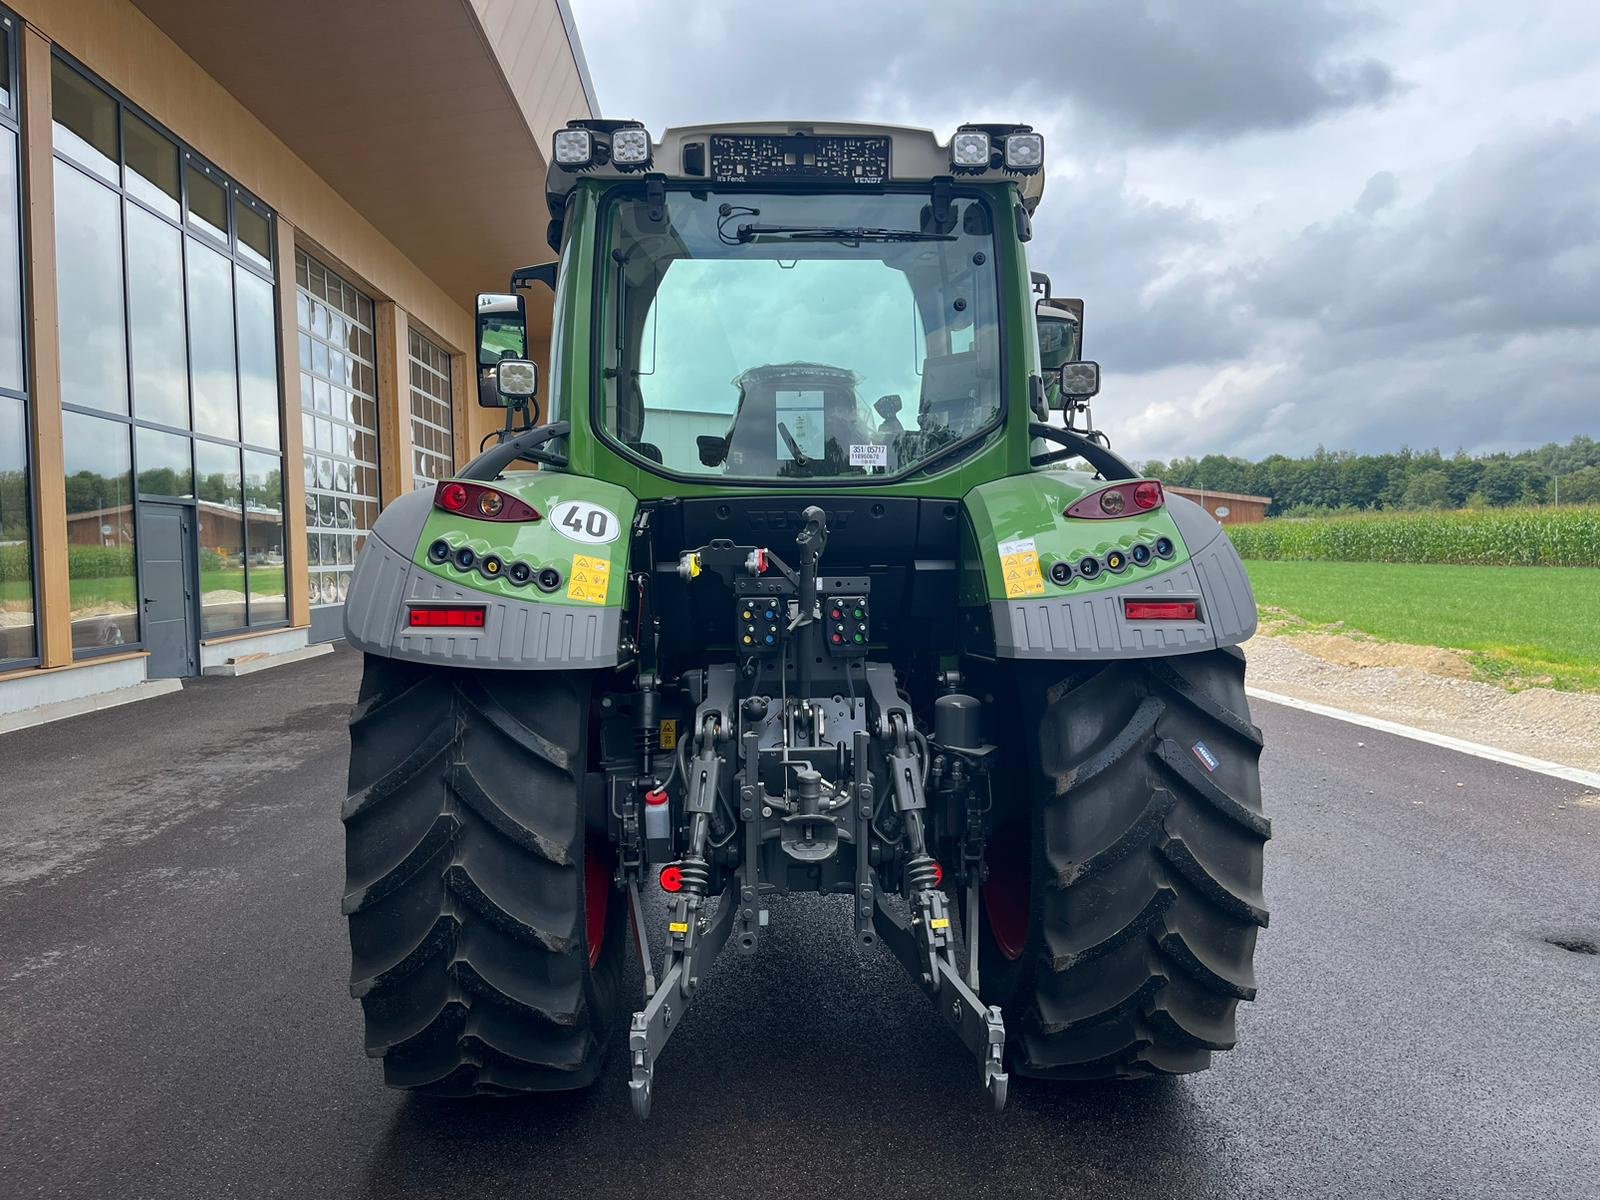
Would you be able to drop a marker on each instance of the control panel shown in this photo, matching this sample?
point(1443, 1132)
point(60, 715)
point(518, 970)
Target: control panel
point(762, 157)
point(759, 622)
point(846, 624)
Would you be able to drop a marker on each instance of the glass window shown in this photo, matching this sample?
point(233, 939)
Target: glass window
point(215, 381)
point(164, 464)
point(100, 532)
point(85, 121)
point(255, 234)
point(208, 201)
point(10, 263)
point(152, 165)
point(94, 367)
point(432, 423)
point(263, 499)
point(155, 320)
point(340, 426)
point(764, 336)
point(16, 536)
point(221, 511)
point(258, 358)
point(5, 62)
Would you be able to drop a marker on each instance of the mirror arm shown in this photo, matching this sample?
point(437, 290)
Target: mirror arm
point(544, 273)
point(491, 462)
point(1110, 466)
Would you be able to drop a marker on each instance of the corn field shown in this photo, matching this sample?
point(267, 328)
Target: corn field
point(1502, 537)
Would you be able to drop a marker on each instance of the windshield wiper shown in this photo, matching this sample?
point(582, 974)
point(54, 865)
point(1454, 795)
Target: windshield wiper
point(846, 234)
point(799, 455)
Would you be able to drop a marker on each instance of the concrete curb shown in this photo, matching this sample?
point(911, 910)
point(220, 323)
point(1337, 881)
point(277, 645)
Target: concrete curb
point(1476, 749)
point(60, 710)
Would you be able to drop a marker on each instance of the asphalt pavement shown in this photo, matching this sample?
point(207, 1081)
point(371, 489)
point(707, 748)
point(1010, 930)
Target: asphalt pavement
point(174, 1018)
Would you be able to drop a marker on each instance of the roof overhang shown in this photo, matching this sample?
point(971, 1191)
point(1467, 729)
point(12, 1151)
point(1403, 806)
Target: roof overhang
point(431, 118)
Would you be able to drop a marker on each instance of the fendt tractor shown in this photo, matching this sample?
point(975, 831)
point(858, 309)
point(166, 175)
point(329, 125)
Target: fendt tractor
point(811, 576)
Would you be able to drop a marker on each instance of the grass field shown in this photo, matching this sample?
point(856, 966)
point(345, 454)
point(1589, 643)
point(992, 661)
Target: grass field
point(88, 592)
point(1522, 625)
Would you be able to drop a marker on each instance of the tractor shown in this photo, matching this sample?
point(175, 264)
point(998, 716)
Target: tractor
point(805, 573)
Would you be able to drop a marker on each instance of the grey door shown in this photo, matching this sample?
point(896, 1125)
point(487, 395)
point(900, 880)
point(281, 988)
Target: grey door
point(166, 544)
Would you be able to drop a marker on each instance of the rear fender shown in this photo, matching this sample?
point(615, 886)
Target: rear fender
point(1016, 531)
point(583, 534)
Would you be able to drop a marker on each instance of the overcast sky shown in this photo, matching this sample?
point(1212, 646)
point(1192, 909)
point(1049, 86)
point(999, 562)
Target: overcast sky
point(1294, 223)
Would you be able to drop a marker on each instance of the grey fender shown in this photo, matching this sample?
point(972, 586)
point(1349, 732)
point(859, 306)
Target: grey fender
point(1093, 626)
point(524, 635)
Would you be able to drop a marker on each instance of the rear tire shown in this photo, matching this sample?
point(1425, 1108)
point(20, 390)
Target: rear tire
point(1123, 902)
point(486, 937)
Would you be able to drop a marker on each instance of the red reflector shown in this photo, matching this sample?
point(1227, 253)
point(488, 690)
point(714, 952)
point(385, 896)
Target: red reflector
point(659, 796)
point(1161, 610)
point(1147, 494)
point(452, 496)
point(938, 875)
point(448, 618)
point(671, 879)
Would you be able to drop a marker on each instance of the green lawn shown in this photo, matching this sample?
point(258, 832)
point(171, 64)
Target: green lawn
point(1523, 625)
point(87, 593)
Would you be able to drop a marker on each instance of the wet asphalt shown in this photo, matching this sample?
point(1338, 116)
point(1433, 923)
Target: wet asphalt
point(174, 1019)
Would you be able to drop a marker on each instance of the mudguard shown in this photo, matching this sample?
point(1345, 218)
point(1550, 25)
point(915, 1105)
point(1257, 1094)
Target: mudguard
point(1016, 530)
point(571, 619)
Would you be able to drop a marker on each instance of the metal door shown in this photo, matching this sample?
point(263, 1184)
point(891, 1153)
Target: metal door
point(166, 544)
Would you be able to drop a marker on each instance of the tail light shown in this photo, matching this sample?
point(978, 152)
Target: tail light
point(1119, 500)
point(482, 503)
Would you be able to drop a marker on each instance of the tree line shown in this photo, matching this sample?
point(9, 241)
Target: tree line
point(1343, 481)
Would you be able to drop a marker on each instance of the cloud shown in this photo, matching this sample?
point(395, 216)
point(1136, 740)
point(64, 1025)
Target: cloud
point(1292, 223)
point(1150, 69)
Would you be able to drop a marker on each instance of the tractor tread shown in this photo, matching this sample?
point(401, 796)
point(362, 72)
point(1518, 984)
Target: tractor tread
point(465, 862)
point(1147, 878)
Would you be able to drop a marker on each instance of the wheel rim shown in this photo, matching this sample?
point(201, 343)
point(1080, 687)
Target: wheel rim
point(1005, 895)
point(596, 896)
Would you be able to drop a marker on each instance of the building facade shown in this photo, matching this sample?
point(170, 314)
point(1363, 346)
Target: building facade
point(1231, 508)
point(238, 248)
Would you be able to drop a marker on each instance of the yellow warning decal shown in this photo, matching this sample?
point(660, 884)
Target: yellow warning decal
point(678, 927)
point(1019, 564)
point(939, 923)
point(590, 579)
point(669, 734)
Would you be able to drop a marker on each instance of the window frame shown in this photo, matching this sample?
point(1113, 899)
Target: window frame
point(946, 458)
point(234, 194)
point(11, 118)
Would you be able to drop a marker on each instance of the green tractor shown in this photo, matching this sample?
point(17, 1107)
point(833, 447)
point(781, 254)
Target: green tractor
point(801, 584)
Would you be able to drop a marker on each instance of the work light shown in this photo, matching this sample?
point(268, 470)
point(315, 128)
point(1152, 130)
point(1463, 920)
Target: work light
point(574, 148)
point(969, 150)
point(630, 146)
point(1024, 152)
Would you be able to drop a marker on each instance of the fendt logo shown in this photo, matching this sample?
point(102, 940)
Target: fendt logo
point(776, 520)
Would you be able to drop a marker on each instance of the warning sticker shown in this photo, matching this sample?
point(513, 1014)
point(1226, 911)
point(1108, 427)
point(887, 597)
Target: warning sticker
point(669, 733)
point(869, 455)
point(1019, 563)
point(590, 579)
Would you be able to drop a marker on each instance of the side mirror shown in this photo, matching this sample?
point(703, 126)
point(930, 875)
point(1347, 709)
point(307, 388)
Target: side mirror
point(713, 449)
point(516, 379)
point(502, 333)
point(1079, 381)
point(502, 327)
